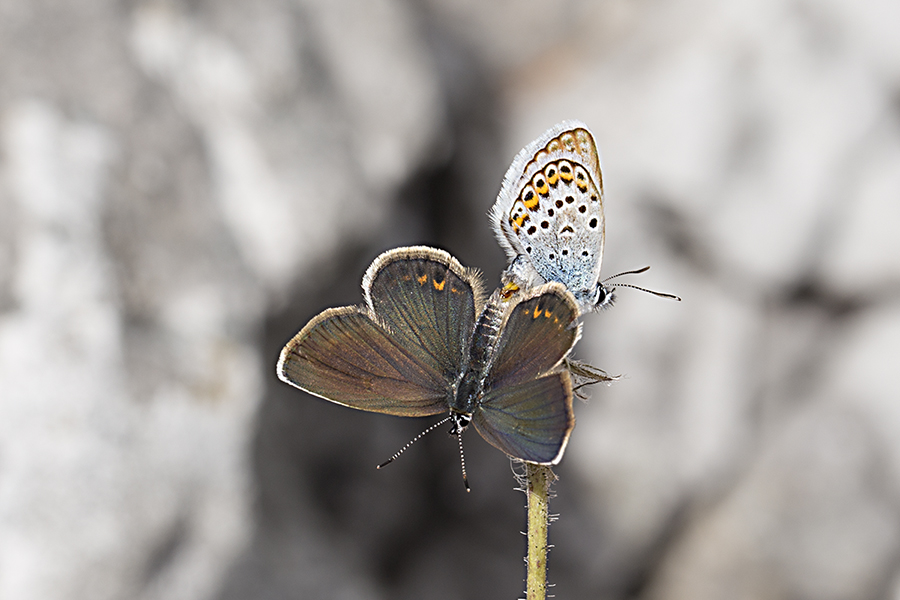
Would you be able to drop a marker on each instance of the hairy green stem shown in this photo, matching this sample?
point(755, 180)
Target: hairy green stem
point(538, 479)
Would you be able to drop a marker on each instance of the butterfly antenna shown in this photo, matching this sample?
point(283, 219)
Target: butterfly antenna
point(462, 461)
point(634, 272)
point(636, 287)
point(654, 292)
point(413, 441)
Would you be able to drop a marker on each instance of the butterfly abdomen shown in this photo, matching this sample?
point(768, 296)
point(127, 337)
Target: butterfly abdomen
point(480, 351)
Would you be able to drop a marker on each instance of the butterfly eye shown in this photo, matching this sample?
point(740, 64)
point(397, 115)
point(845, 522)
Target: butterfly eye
point(605, 296)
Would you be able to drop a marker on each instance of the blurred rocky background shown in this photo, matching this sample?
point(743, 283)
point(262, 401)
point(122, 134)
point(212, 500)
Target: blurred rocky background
point(183, 185)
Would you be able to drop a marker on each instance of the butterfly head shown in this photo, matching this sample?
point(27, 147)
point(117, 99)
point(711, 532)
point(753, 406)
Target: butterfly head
point(602, 297)
point(460, 421)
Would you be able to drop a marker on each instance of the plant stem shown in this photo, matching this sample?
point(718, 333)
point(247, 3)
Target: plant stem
point(538, 478)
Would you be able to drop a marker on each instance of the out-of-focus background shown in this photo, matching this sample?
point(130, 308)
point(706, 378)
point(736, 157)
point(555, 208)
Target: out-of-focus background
point(183, 185)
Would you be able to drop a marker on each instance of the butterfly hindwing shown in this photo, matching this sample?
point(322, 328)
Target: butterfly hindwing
point(530, 421)
point(549, 214)
point(526, 409)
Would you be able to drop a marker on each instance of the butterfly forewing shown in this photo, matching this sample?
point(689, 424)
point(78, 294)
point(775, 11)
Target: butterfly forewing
point(400, 354)
point(530, 421)
point(344, 356)
point(538, 332)
point(428, 301)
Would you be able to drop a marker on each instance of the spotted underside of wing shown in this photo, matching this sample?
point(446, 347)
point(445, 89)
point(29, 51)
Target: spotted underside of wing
point(550, 210)
point(557, 215)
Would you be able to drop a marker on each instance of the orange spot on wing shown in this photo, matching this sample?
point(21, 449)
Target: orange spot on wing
point(439, 286)
point(537, 311)
point(552, 174)
point(508, 290)
point(529, 198)
point(422, 279)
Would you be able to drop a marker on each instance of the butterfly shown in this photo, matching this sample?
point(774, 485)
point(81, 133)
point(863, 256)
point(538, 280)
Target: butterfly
point(548, 216)
point(426, 341)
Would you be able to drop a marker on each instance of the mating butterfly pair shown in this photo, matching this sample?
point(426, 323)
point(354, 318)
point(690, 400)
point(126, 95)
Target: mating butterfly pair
point(426, 341)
